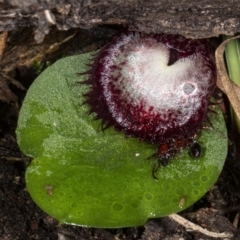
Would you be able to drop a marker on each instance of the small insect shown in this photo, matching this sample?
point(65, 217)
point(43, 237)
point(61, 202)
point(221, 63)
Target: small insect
point(195, 150)
point(155, 87)
point(168, 149)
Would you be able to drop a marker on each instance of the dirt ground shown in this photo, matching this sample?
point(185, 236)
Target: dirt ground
point(20, 218)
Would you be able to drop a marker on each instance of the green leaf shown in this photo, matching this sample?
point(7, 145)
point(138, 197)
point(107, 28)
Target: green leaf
point(85, 176)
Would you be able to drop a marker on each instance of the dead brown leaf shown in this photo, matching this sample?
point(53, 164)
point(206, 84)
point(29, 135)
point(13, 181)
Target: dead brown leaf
point(231, 89)
point(3, 38)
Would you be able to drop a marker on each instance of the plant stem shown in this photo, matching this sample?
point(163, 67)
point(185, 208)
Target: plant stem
point(232, 53)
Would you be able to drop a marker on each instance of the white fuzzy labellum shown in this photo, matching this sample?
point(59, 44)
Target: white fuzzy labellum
point(144, 78)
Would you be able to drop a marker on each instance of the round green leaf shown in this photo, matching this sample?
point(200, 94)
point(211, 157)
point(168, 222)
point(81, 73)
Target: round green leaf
point(85, 176)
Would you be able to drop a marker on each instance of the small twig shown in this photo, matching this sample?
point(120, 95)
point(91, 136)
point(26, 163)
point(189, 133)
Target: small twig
point(191, 227)
point(236, 220)
point(15, 158)
point(3, 38)
point(229, 209)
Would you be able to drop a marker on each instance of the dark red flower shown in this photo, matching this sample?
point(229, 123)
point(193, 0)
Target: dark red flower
point(156, 87)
